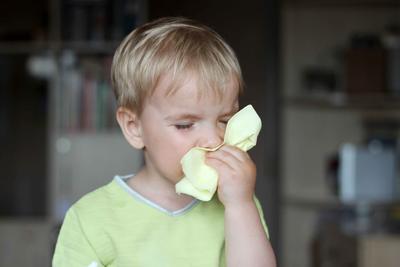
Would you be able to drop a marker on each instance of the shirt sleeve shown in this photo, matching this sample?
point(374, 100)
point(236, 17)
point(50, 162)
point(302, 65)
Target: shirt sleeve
point(261, 213)
point(73, 247)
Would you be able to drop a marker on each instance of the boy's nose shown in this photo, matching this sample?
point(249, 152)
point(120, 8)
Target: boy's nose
point(212, 137)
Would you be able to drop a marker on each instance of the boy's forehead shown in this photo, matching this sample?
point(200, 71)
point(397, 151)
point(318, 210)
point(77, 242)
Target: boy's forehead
point(189, 94)
point(191, 86)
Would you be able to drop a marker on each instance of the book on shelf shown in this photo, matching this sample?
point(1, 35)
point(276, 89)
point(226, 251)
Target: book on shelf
point(99, 20)
point(86, 99)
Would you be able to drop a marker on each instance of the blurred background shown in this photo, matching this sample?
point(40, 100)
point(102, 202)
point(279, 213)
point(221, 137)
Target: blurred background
point(324, 76)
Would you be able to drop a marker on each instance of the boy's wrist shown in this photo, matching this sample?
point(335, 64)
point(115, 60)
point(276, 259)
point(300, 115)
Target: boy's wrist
point(240, 207)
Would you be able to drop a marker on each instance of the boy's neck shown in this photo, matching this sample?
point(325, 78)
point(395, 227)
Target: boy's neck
point(159, 191)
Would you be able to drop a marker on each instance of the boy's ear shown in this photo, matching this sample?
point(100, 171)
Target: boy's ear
point(130, 125)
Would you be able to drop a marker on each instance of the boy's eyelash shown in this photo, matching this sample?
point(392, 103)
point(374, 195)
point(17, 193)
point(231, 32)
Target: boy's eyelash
point(183, 126)
point(186, 126)
point(224, 120)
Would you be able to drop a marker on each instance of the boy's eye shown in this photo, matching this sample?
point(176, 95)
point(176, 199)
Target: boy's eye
point(224, 121)
point(183, 126)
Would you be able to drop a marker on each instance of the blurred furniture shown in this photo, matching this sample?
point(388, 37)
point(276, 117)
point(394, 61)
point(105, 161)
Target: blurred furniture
point(318, 120)
point(356, 235)
point(339, 249)
point(59, 138)
point(379, 250)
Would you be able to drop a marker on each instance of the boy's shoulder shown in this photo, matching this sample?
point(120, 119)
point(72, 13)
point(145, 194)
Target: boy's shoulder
point(98, 200)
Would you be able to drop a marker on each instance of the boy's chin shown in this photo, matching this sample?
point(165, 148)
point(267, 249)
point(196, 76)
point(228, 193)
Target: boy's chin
point(173, 177)
point(177, 178)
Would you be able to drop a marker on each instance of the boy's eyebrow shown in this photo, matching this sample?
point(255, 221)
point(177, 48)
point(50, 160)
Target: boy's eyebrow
point(185, 116)
point(191, 116)
point(229, 113)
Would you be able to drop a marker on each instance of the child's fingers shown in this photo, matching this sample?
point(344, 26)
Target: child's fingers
point(236, 152)
point(231, 155)
point(224, 157)
point(218, 164)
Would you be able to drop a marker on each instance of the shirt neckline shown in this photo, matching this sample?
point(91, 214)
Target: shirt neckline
point(122, 182)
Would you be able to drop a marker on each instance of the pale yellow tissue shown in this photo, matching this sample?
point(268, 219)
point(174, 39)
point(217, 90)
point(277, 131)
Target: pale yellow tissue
point(185, 187)
point(200, 180)
point(197, 173)
point(243, 128)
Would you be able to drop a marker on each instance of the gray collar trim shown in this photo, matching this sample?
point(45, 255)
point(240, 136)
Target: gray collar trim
point(121, 181)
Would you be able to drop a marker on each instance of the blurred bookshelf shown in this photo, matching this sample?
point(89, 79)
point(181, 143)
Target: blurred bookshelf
point(58, 132)
point(86, 103)
point(85, 135)
point(334, 95)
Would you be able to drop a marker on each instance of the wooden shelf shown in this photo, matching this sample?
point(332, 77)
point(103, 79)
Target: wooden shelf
point(88, 47)
point(343, 3)
point(82, 47)
point(336, 204)
point(29, 47)
point(346, 102)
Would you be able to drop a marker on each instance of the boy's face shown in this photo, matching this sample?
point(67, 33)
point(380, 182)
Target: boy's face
point(171, 125)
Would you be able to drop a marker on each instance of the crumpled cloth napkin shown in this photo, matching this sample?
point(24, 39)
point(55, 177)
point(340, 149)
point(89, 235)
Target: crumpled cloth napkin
point(201, 180)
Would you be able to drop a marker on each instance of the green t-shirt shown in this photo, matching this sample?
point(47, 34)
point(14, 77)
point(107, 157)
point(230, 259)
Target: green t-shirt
point(116, 226)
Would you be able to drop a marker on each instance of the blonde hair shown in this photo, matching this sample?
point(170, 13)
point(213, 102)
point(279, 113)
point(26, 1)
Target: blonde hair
point(175, 47)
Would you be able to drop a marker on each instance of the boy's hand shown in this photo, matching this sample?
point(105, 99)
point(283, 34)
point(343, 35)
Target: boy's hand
point(237, 175)
point(245, 238)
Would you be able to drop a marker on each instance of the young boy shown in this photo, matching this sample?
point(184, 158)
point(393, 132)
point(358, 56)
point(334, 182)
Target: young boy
point(177, 84)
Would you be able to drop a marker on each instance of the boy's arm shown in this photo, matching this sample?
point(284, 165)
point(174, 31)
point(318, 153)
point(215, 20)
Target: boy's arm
point(246, 241)
point(73, 247)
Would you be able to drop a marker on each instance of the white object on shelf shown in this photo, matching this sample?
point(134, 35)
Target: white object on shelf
point(366, 174)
